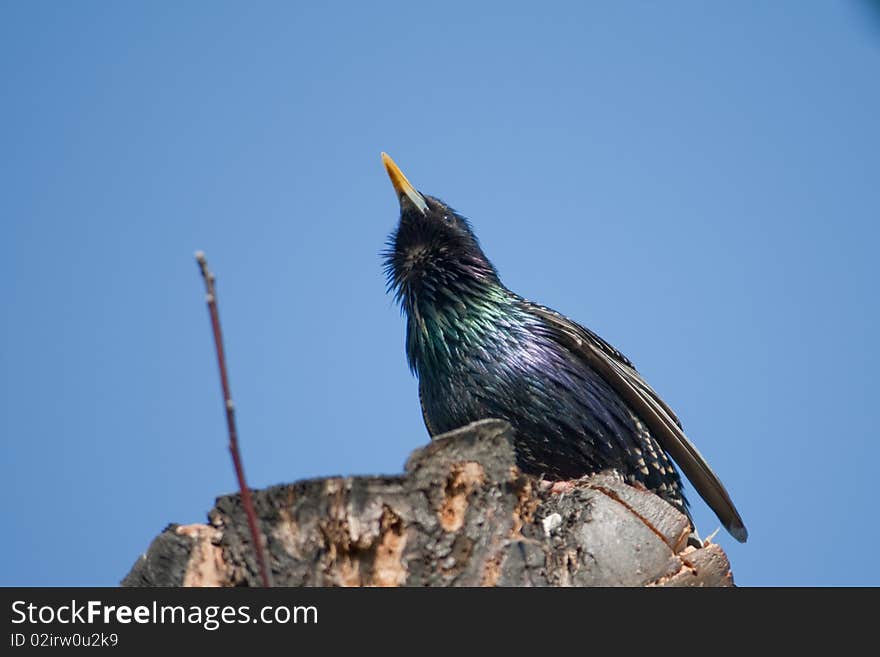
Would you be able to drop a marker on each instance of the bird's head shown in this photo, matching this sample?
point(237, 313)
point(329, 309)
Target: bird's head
point(433, 254)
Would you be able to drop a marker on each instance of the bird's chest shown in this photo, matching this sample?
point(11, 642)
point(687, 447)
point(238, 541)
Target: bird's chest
point(479, 378)
point(452, 398)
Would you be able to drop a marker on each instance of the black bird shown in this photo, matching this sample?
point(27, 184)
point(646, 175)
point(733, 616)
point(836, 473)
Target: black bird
point(577, 405)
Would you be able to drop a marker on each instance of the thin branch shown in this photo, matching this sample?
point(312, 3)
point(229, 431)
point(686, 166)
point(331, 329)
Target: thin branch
point(247, 501)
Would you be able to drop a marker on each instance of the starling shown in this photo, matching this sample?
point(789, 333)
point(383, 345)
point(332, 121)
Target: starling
point(577, 405)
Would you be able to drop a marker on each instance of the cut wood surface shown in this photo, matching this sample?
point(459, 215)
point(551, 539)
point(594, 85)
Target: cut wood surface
point(461, 514)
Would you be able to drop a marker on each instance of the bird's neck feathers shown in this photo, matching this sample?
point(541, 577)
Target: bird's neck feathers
point(447, 287)
point(452, 302)
point(447, 322)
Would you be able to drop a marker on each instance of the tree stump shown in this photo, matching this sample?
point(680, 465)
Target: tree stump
point(462, 514)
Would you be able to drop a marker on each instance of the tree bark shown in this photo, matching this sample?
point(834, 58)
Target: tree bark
point(462, 514)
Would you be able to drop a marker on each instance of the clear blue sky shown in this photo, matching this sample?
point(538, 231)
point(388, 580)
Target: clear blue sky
point(698, 182)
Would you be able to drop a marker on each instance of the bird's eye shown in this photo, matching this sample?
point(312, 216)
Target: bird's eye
point(448, 218)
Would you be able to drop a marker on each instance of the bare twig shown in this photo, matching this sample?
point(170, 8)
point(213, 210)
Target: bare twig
point(247, 502)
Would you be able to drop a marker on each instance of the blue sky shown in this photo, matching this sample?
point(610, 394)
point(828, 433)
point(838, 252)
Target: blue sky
point(698, 182)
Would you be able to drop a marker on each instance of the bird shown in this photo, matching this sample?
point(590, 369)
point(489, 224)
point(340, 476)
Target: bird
point(577, 405)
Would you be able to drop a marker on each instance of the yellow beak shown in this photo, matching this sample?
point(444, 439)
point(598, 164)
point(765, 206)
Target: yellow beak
point(402, 186)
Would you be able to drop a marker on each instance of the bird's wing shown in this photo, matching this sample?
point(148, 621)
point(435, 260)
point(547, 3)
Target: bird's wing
point(620, 374)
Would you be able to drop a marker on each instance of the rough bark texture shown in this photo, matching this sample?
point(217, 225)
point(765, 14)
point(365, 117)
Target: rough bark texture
point(462, 514)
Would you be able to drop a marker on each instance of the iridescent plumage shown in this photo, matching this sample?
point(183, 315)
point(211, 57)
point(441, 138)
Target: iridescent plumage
point(577, 405)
